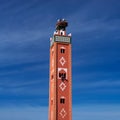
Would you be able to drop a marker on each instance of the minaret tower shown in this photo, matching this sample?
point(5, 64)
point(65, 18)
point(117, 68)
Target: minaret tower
point(60, 95)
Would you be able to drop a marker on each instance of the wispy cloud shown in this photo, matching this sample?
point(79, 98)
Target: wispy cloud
point(21, 46)
point(21, 113)
point(83, 112)
point(24, 47)
point(33, 84)
point(101, 83)
point(96, 111)
point(96, 16)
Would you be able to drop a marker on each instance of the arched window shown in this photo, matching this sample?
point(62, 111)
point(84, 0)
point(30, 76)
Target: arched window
point(62, 73)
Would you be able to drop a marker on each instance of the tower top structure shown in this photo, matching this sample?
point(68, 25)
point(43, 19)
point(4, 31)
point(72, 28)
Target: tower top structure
point(61, 28)
point(61, 24)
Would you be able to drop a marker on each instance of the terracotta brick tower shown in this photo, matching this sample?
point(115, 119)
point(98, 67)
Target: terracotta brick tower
point(60, 95)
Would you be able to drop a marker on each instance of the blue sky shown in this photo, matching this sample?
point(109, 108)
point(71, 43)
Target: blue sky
point(25, 29)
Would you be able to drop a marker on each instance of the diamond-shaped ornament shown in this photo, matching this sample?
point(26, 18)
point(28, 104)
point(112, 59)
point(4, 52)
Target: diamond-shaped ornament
point(62, 61)
point(62, 86)
point(63, 113)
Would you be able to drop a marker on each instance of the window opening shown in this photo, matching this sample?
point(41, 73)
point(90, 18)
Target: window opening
point(62, 50)
point(62, 100)
point(62, 76)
